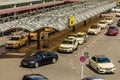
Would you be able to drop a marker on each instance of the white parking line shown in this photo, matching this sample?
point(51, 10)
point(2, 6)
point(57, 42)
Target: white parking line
point(112, 46)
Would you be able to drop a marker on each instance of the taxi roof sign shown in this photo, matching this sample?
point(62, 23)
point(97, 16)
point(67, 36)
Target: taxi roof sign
point(71, 21)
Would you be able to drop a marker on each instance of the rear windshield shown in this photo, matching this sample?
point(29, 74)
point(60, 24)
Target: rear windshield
point(94, 27)
point(14, 38)
point(111, 27)
point(67, 42)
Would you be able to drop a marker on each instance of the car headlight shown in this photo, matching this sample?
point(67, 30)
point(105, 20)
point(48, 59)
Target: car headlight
point(31, 62)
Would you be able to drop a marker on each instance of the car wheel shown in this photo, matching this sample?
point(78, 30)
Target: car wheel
point(89, 64)
point(54, 60)
point(36, 65)
point(18, 46)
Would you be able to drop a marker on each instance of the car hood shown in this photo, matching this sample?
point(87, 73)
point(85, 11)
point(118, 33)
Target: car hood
point(66, 45)
point(106, 65)
point(111, 31)
point(30, 58)
point(92, 29)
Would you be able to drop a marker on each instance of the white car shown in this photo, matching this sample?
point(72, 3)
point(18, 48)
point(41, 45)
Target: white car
point(109, 20)
point(118, 14)
point(79, 38)
point(102, 64)
point(68, 45)
point(94, 29)
point(103, 24)
point(115, 9)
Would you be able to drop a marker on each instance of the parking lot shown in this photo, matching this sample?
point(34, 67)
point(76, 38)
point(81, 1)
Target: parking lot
point(68, 66)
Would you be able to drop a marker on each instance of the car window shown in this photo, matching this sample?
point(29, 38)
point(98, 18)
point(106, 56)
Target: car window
point(48, 54)
point(67, 42)
point(103, 60)
point(26, 78)
point(14, 38)
point(94, 59)
point(94, 27)
point(111, 27)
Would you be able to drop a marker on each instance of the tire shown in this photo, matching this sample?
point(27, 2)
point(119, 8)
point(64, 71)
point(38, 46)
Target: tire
point(90, 64)
point(54, 60)
point(36, 65)
point(18, 46)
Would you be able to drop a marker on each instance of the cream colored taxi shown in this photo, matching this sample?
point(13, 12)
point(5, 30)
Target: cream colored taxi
point(103, 24)
point(68, 45)
point(16, 41)
point(94, 29)
point(102, 64)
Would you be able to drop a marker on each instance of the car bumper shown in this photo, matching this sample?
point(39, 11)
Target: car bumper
point(81, 42)
point(90, 32)
point(111, 34)
point(11, 46)
point(65, 50)
point(107, 70)
point(27, 64)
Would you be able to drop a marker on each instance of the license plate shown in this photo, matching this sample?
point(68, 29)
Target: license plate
point(108, 71)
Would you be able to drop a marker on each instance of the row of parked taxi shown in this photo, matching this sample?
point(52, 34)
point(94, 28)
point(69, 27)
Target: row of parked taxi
point(73, 40)
point(21, 38)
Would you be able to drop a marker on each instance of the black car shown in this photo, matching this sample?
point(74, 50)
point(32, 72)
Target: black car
point(118, 23)
point(34, 77)
point(38, 58)
point(93, 78)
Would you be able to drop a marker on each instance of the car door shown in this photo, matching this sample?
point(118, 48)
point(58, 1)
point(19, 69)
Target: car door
point(93, 62)
point(43, 59)
point(75, 42)
point(49, 57)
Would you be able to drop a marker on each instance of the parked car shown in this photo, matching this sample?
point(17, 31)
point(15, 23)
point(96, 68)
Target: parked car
point(118, 23)
point(112, 31)
point(68, 45)
point(115, 9)
point(94, 29)
point(16, 41)
point(118, 14)
point(47, 31)
point(109, 19)
point(93, 78)
point(102, 64)
point(83, 34)
point(38, 58)
point(79, 38)
point(34, 77)
point(103, 24)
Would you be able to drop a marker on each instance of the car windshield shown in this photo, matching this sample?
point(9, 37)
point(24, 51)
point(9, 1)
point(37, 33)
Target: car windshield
point(36, 54)
point(102, 22)
point(72, 35)
point(80, 35)
point(111, 28)
point(14, 38)
point(93, 27)
point(107, 18)
point(103, 60)
point(67, 42)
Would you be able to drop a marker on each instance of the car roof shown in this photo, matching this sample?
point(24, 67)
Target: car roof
point(112, 26)
point(70, 39)
point(81, 33)
point(72, 34)
point(35, 75)
point(102, 21)
point(16, 36)
point(100, 56)
point(95, 77)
